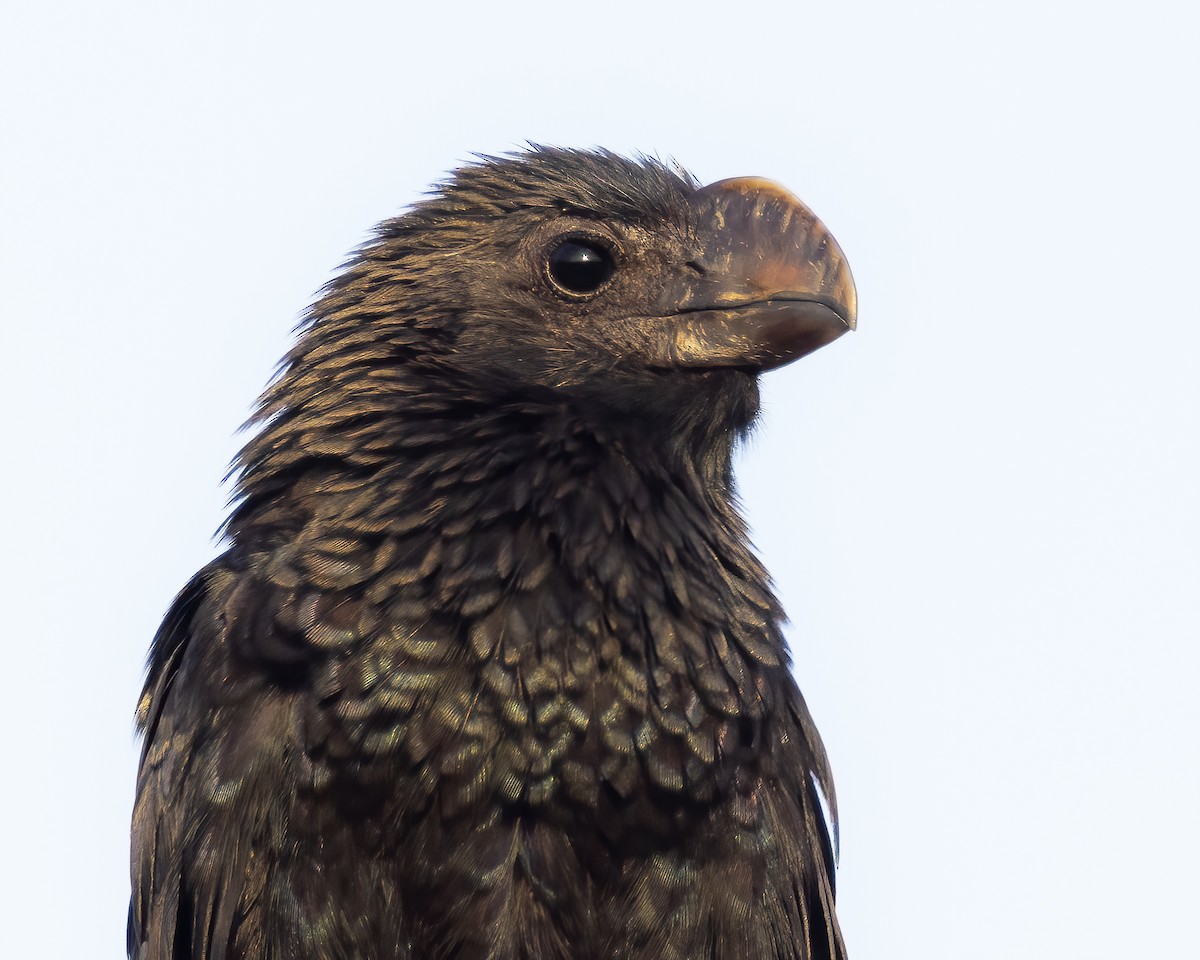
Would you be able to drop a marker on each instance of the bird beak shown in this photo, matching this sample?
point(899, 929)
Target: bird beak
point(770, 284)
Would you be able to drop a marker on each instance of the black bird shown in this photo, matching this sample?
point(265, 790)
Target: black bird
point(488, 669)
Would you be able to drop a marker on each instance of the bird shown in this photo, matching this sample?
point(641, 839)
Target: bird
point(487, 668)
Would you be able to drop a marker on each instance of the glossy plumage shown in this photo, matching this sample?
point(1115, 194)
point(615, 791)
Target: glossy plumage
point(488, 669)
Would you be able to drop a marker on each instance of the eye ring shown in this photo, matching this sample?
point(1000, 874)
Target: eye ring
point(579, 265)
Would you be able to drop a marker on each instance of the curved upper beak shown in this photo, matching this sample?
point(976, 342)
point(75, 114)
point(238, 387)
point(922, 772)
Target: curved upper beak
point(770, 283)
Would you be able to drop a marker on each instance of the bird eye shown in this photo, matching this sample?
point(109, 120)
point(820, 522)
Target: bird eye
point(580, 266)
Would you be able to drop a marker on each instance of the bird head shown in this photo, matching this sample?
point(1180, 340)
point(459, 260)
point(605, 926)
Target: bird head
point(620, 288)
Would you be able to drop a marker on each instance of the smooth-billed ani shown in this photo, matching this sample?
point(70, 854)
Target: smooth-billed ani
point(488, 669)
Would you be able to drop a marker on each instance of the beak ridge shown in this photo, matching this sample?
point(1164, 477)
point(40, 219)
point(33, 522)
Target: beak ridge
point(776, 285)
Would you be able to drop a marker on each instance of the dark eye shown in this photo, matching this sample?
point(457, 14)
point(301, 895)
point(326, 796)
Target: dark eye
point(580, 266)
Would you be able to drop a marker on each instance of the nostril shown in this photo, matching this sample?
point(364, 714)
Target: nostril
point(696, 266)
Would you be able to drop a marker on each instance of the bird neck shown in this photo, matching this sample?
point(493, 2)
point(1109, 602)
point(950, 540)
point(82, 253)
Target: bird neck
point(382, 455)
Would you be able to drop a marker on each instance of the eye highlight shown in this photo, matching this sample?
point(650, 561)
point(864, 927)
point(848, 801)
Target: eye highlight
point(579, 265)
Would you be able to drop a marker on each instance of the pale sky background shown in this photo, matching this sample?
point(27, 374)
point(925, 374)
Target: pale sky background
point(980, 510)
